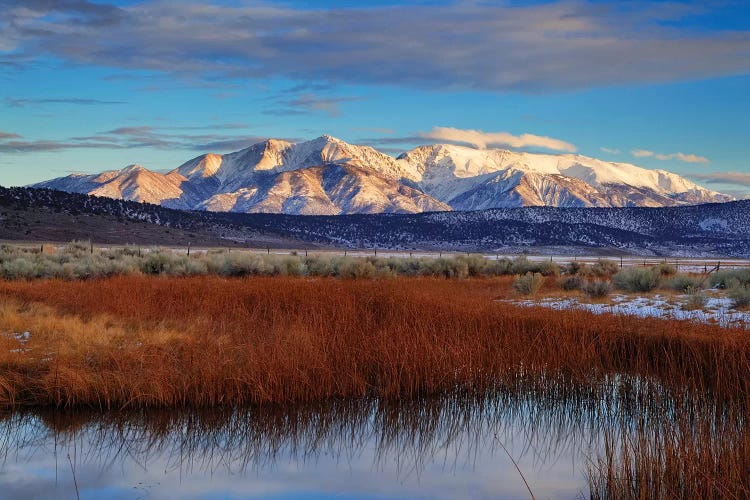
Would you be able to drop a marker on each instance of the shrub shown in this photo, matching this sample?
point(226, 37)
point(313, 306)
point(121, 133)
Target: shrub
point(695, 300)
point(448, 268)
point(528, 284)
point(18, 268)
point(665, 269)
point(576, 267)
point(726, 279)
point(636, 280)
point(548, 268)
point(740, 296)
point(319, 266)
point(77, 248)
point(605, 268)
point(597, 289)
point(684, 283)
point(356, 268)
point(574, 282)
point(406, 266)
point(499, 267)
point(521, 265)
point(476, 265)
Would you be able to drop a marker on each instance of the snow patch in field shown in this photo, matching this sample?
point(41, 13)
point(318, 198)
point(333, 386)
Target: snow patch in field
point(718, 310)
point(22, 338)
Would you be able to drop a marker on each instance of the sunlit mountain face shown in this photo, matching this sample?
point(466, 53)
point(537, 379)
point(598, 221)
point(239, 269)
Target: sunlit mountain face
point(327, 176)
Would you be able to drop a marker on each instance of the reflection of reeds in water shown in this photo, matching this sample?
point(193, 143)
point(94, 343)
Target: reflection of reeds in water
point(411, 434)
point(690, 454)
point(676, 447)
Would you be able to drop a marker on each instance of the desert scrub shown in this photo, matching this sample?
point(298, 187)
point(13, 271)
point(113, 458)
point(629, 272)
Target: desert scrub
point(684, 283)
point(549, 268)
point(695, 299)
point(665, 269)
point(636, 280)
point(740, 296)
point(597, 289)
point(356, 268)
point(569, 283)
point(576, 267)
point(729, 278)
point(605, 268)
point(522, 265)
point(528, 284)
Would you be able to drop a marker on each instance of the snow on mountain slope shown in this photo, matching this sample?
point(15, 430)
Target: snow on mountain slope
point(134, 183)
point(327, 190)
point(329, 176)
point(468, 178)
point(234, 170)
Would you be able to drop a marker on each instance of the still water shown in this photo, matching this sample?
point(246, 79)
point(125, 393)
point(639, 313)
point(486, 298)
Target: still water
point(435, 448)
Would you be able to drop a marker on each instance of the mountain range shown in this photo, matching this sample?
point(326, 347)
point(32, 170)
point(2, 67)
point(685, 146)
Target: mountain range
point(328, 176)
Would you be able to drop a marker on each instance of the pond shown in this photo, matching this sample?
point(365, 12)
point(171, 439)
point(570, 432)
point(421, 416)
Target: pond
point(450, 447)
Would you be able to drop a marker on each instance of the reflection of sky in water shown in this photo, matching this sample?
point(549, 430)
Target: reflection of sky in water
point(364, 450)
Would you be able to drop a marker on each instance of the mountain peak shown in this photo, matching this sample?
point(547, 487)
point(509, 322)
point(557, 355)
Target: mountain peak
point(275, 174)
point(134, 167)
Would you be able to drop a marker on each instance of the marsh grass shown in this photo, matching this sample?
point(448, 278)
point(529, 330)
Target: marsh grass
point(138, 341)
point(127, 343)
point(688, 455)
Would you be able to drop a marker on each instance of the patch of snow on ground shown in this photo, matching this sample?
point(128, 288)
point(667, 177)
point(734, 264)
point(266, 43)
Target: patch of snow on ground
point(717, 310)
point(21, 338)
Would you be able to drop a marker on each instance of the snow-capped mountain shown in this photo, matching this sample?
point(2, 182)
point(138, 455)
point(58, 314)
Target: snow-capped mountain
point(474, 179)
point(329, 176)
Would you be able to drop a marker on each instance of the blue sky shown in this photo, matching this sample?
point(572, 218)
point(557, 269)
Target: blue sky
point(90, 86)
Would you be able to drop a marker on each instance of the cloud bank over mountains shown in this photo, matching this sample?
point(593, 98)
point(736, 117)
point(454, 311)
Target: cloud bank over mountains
point(459, 45)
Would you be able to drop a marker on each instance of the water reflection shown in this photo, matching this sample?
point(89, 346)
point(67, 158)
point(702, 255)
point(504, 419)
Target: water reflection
point(434, 448)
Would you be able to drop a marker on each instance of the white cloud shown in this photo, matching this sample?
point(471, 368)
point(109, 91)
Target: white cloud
point(642, 153)
point(483, 140)
point(611, 151)
point(684, 157)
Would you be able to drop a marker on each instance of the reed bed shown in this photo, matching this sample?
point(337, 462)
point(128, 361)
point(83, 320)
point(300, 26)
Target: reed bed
point(687, 455)
point(672, 396)
point(137, 341)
